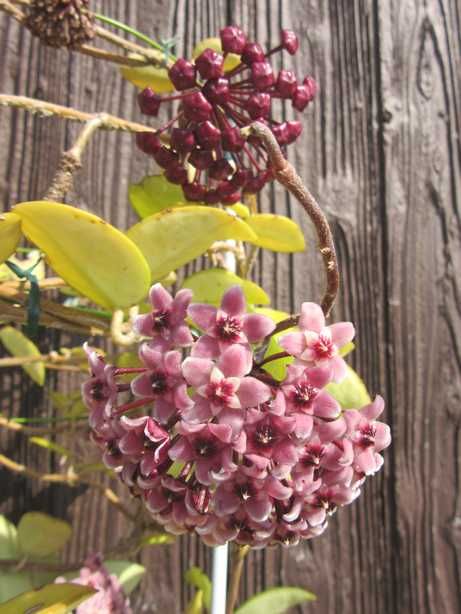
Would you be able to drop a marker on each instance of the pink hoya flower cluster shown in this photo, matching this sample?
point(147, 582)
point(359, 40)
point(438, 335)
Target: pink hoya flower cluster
point(204, 135)
point(109, 599)
point(213, 444)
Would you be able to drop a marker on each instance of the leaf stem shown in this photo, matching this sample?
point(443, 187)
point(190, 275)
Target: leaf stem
point(238, 558)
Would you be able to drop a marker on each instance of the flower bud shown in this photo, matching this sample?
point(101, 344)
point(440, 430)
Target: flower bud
point(233, 40)
point(290, 41)
point(210, 64)
point(182, 74)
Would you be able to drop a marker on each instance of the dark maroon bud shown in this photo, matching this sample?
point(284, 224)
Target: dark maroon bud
point(262, 75)
point(225, 188)
point(148, 142)
point(240, 178)
point(208, 135)
point(165, 157)
point(232, 140)
point(286, 83)
point(201, 159)
point(230, 199)
point(149, 102)
point(312, 86)
point(182, 140)
point(209, 64)
point(233, 40)
point(281, 131)
point(196, 107)
point(258, 105)
point(294, 129)
point(212, 197)
point(217, 90)
point(255, 184)
point(220, 169)
point(252, 52)
point(290, 41)
point(175, 173)
point(194, 191)
point(182, 74)
point(301, 98)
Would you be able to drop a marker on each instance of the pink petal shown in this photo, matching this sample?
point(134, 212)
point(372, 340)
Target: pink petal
point(150, 356)
point(319, 376)
point(141, 386)
point(206, 347)
point(180, 305)
point(329, 431)
point(256, 327)
point(144, 324)
point(258, 508)
point(312, 317)
point(181, 450)
point(325, 406)
point(204, 316)
point(374, 409)
point(133, 423)
point(223, 432)
point(304, 425)
point(365, 462)
point(181, 336)
point(181, 399)
point(225, 502)
point(342, 333)
point(163, 410)
point(202, 471)
point(131, 443)
point(172, 362)
point(293, 343)
point(277, 490)
point(233, 301)
point(285, 453)
point(160, 298)
point(197, 370)
point(277, 405)
point(382, 437)
point(339, 368)
point(252, 392)
point(234, 418)
point(199, 412)
point(235, 361)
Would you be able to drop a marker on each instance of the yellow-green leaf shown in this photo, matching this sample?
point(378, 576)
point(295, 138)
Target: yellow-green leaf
point(10, 234)
point(19, 345)
point(198, 578)
point(51, 446)
point(277, 368)
point(274, 314)
point(50, 599)
point(351, 392)
point(276, 232)
point(241, 210)
point(195, 605)
point(8, 539)
point(157, 539)
point(148, 76)
point(231, 61)
point(129, 574)
point(208, 287)
point(174, 237)
point(153, 194)
point(92, 256)
point(40, 535)
point(33, 259)
point(275, 600)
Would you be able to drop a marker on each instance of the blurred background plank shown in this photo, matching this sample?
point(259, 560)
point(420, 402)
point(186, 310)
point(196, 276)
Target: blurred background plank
point(380, 149)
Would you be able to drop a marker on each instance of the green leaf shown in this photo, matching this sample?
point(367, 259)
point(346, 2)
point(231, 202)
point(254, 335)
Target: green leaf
point(50, 599)
point(231, 60)
point(274, 314)
point(208, 287)
point(13, 584)
point(275, 600)
point(174, 237)
point(198, 578)
point(10, 234)
point(51, 446)
point(129, 574)
point(347, 349)
point(92, 256)
point(8, 540)
point(195, 606)
point(157, 539)
point(351, 392)
point(19, 345)
point(277, 368)
point(40, 535)
point(276, 232)
point(148, 76)
point(153, 194)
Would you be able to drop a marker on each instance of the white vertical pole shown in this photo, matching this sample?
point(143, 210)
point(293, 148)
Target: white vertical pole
point(219, 579)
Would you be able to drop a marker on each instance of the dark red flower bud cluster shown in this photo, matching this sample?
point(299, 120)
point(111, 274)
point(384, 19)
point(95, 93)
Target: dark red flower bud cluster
point(214, 106)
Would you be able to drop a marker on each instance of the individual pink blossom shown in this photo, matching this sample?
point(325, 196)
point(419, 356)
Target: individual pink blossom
point(227, 325)
point(303, 390)
point(317, 344)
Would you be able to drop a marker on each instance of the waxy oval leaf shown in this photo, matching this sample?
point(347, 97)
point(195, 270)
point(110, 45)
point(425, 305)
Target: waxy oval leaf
point(350, 392)
point(148, 76)
point(8, 539)
point(20, 346)
point(174, 237)
point(10, 234)
point(50, 599)
point(275, 600)
point(40, 535)
point(129, 574)
point(92, 256)
point(276, 232)
point(153, 194)
point(209, 286)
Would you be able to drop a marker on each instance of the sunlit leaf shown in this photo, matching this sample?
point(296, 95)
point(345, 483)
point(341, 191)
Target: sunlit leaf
point(208, 287)
point(129, 574)
point(40, 535)
point(274, 314)
point(31, 260)
point(10, 234)
point(198, 578)
point(275, 600)
point(19, 345)
point(8, 539)
point(157, 539)
point(241, 210)
point(153, 194)
point(276, 232)
point(14, 583)
point(278, 367)
point(51, 446)
point(347, 349)
point(195, 606)
point(50, 599)
point(88, 253)
point(148, 76)
point(174, 237)
point(231, 61)
point(351, 392)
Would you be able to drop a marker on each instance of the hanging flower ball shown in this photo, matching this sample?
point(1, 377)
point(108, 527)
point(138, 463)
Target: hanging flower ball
point(212, 443)
point(204, 136)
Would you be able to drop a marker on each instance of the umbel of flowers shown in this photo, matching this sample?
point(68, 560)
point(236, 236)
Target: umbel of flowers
point(206, 153)
point(213, 444)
